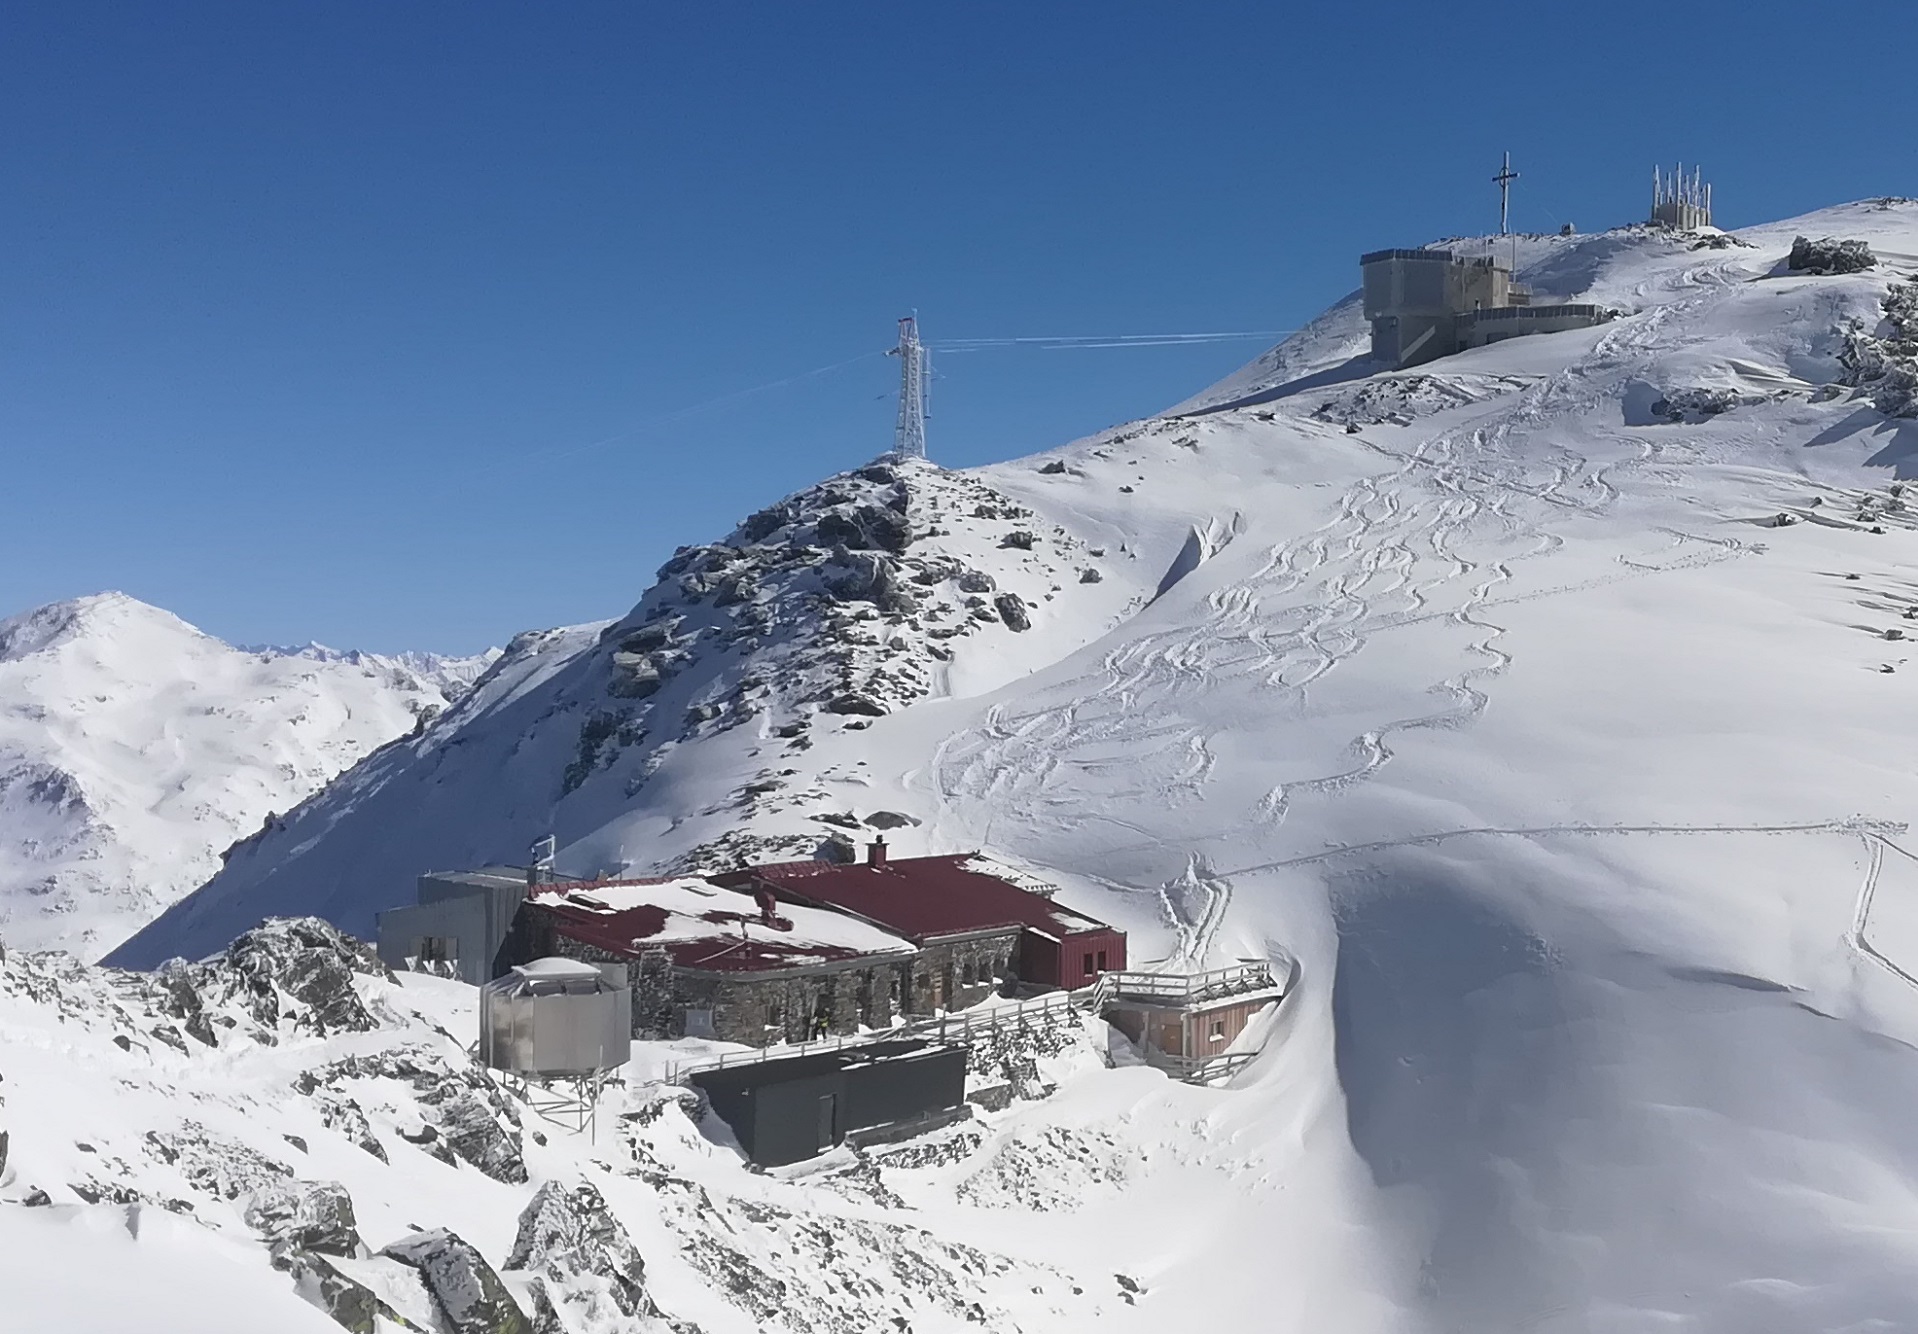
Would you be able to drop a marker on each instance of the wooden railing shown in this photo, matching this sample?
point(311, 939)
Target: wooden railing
point(678, 1071)
point(1052, 1007)
point(957, 1027)
point(1200, 1069)
point(1047, 1008)
point(1187, 988)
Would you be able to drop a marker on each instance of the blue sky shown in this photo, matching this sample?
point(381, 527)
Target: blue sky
point(374, 323)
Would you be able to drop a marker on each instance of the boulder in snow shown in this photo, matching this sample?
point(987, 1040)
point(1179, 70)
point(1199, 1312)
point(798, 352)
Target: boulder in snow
point(1012, 610)
point(304, 1216)
point(353, 1303)
point(304, 960)
point(570, 1238)
point(1827, 255)
point(465, 1289)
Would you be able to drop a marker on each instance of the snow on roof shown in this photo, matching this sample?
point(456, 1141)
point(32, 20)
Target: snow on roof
point(1013, 875)
point(924, 897)
point(555, 969)
point(707, 927)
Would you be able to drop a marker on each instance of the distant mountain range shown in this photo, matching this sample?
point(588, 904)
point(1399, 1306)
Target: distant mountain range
point(134, 749)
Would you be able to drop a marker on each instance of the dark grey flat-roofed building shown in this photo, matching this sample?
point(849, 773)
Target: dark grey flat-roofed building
point(457, 927)
point(784, 1111)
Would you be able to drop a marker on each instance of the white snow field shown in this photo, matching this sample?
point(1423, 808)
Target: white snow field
point(1489, 690)
point(134, 748)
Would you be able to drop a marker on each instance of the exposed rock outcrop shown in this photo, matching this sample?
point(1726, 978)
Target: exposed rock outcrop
point(353, 1305)
point(294, 1216)
point(298, 971)
point(214, 1163)
point(1012, 610)
point(1887, 363)
point(469, 1295)
point(591, 1275)
point(1829, 255)
point(471, 1121)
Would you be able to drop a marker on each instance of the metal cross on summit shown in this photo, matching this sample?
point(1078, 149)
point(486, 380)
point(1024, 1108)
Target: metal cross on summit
point(1504, 181)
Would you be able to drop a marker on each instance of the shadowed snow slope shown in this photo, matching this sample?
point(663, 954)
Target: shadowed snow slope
point(133, 748)
point(1494, 692)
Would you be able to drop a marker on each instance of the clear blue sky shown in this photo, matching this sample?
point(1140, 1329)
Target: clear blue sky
point(312, 313)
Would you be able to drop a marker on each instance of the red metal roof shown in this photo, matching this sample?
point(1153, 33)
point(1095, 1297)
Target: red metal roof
point(919, 897)
point(705, 927)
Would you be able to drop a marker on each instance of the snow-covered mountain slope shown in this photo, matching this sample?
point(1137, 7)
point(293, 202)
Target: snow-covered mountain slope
point(288, 1134)
point(697, 714)
point(1493, 691)
point(134, 748)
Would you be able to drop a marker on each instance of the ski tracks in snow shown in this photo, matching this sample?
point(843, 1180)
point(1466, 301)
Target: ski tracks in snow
point(1434, 538)
point(1877, 843)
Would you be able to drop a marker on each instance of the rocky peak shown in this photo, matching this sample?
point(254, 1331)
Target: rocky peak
point(297, 970)
point(845, 598)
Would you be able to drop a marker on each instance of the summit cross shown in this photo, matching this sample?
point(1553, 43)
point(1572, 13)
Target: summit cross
point(1504, 181)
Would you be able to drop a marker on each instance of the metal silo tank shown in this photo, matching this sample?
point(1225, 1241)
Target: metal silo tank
point(555, 1018)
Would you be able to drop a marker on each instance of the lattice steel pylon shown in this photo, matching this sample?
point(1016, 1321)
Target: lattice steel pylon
point(915, 375)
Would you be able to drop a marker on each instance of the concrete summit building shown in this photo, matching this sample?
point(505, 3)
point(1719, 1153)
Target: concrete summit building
point(1427, 304)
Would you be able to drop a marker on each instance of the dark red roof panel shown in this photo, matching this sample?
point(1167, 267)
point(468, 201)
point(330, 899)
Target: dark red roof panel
point(706, 927)
point(921, 898)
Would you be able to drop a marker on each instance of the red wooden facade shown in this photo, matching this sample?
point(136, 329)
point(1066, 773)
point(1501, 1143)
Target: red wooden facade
point(1071, 961)
point(933, 899)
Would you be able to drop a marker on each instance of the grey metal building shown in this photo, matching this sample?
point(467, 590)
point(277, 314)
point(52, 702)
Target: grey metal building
point(457, 927)
point(784, 1111)
point(555, 1018)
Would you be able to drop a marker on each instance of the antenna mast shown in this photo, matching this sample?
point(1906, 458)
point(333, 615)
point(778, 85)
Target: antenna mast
point(1504, 181)
point(915, 370)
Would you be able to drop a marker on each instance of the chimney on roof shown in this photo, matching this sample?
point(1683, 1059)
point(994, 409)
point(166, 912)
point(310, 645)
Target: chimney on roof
point(876, 851)
point(768, 905)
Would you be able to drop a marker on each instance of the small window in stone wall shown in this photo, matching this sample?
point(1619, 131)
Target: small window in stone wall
point(970, 974)
point(699, 1023)
point(775, 1015)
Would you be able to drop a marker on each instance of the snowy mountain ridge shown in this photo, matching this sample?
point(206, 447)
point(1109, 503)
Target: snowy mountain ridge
point(885, 587)
point(133, 748)
point(1547, 703)
point(453, 675)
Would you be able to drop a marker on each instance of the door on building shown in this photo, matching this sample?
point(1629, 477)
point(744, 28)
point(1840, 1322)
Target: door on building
point(828, 1120)
point(438, 955)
